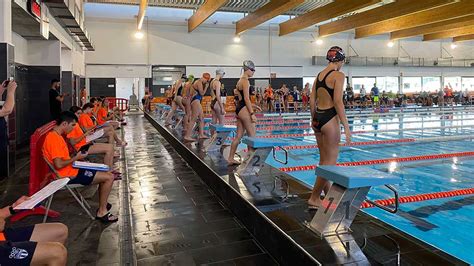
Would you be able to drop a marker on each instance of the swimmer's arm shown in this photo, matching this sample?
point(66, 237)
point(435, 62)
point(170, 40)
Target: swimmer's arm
point(9, 104)
point(202, 89)
point(338, 103)
point(312, 99)
point(248, 103)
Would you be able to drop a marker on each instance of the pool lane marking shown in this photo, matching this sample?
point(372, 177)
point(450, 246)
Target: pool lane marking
point(384, 161)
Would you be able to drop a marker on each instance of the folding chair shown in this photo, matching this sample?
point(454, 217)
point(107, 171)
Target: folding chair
point(73, 189)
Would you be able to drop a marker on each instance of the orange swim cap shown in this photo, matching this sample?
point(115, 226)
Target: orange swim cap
point(206, 76)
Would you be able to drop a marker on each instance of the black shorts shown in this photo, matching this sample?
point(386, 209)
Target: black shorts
point(18, 249)
point(84, 177)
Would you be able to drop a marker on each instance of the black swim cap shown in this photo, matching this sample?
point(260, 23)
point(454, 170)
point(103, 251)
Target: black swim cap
point(335, 54)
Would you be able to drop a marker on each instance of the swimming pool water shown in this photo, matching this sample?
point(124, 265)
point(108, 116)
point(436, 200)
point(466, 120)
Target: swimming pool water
point(444, 223)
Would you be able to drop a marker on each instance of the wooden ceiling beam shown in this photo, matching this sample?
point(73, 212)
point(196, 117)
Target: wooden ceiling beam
point(433, 27)
point(404, 24)
point(141, 13)
point(388, 11)
point(331, 10)
point(463, 38)
point(204, 12)
point(449, 33)
point(264, 13)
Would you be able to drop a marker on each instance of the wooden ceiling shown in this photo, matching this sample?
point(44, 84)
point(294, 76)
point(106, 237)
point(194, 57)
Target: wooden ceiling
point(429, 19)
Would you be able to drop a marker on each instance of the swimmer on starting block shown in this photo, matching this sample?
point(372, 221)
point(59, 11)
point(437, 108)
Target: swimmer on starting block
point(199, 87)
point(245, 114)
point(177, 98)
point(217, 106)
point(187, 101)
point(327, 92)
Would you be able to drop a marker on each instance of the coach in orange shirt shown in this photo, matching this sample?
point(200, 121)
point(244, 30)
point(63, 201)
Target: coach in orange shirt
point(77, 138)
point(103, 115)
point(56, 152)
point(87, 124)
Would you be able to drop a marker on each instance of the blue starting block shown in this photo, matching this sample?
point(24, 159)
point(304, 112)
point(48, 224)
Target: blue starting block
point(165, 110)
point(217, 141)
point(349, 189)
point(206, 120)
point(254, 167)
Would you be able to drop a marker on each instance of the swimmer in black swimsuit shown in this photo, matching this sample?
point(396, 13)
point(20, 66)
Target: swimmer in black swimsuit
point(327, 111)
point(199, 89)
point(177, 98)
point(243, 109)
point(217, 106)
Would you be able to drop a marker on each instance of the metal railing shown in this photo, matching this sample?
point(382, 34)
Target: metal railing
point(399, 61)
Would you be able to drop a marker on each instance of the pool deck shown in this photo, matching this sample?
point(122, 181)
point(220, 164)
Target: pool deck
point(280, 226)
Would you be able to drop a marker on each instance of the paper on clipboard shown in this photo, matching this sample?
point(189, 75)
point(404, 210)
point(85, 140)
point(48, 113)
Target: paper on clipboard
point(95, 135)
point(41, 195)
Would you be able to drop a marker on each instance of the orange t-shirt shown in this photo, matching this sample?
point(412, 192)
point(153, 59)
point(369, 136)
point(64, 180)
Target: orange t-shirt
point(55, 147)
point(95, 109)
point(77, 133)
point(2, 237)
point(85, 121)
point(101, 116)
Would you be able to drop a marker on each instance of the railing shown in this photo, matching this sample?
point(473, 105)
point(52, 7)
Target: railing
point(399, 61)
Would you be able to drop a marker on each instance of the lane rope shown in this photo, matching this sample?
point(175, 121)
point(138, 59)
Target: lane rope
point(384, 161)
point(421, 197)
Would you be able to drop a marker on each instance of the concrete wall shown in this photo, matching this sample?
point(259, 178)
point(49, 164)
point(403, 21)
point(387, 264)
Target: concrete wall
point(208, 47)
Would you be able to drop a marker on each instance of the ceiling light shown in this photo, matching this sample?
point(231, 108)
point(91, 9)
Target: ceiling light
point(454, 45)
point(167, 78)
point(139, 35)
point(166, 68)
point(319, 42)
point(390, 44)
point(237, 39)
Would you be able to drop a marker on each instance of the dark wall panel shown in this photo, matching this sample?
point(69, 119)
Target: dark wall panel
point(66, 87)
point(102, 87)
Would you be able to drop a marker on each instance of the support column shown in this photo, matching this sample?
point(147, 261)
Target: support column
point(7, 69)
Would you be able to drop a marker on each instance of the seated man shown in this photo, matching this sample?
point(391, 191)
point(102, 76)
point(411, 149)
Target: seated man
point(40, 244)
point(56, 152)
point(77, 138)
point(103, 115)
point(87, 124)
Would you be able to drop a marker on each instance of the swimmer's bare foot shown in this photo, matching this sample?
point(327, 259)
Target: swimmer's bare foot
point(233, 162)
point(203, 137)
point(189, 140)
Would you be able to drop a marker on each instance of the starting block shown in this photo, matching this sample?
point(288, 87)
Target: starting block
point(221, 134)
point(178, 117)
point(165, 110)
point(349, 189)
point(252, 169)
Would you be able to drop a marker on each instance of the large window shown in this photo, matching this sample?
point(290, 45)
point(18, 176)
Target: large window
point(431, 84)
point(468, 83)
point(367, 82)
point(387, 84)
point(411, 84)
point(455, 82)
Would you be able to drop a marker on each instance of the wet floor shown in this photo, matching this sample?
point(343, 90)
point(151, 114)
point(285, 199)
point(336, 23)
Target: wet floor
point(176, 218)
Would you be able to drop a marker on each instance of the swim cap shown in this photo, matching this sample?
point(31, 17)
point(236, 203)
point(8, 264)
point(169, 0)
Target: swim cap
point(335, 54)
point(220, 71)
point(206, 76)
point(191, 78)
point(248, 64)
point(183, 76)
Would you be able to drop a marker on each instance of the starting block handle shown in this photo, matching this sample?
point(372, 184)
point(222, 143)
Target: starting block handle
point(278, 160)
point(385, 208)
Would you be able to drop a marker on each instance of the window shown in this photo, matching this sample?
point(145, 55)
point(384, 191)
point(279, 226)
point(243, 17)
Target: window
point(411, 84)
point(455, 82)
point(468, 83)
point(367, 82)
point(309, 80)
point(387, 84)
point(431, 84)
